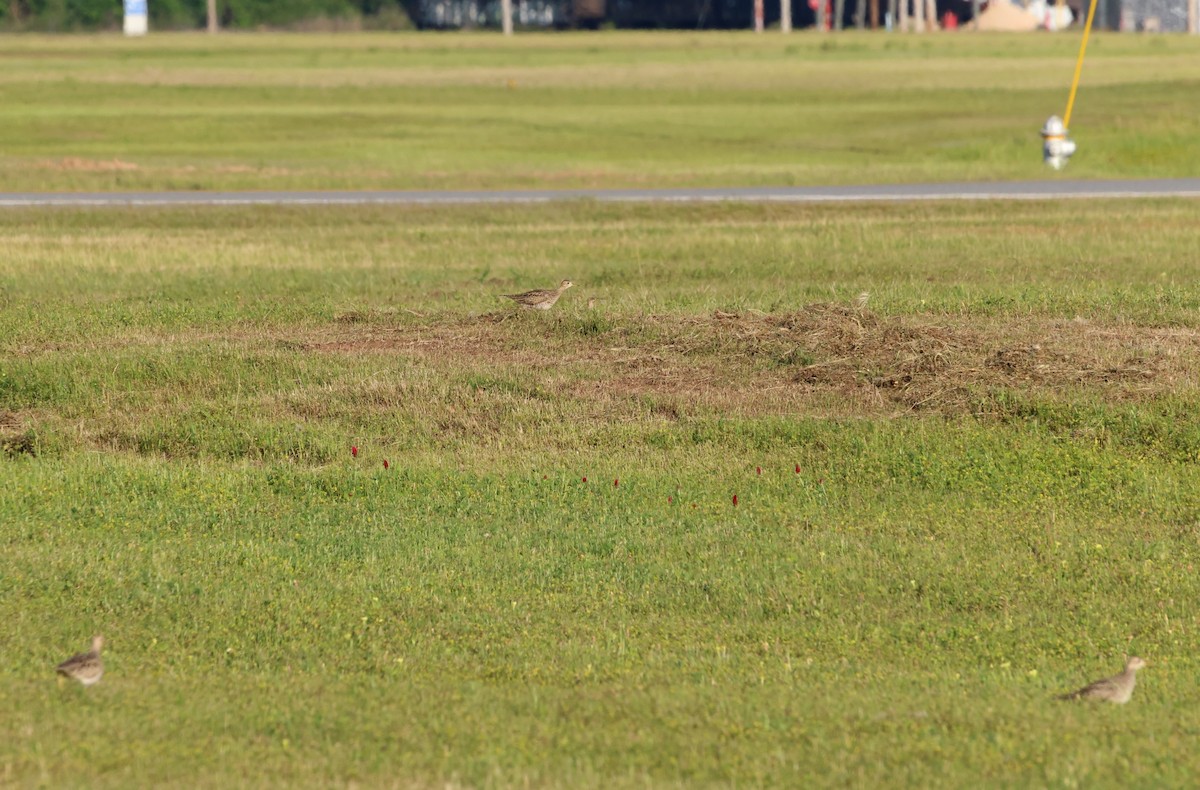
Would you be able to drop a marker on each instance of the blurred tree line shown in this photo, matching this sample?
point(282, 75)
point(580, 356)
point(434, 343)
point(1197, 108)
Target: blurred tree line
point(65, 15)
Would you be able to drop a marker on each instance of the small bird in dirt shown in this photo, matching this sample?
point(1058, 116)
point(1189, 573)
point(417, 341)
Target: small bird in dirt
point(84, 667)
point(1117, 689)
point(860, 301)
point(541, 299)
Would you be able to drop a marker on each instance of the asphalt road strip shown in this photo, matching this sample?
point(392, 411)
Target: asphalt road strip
point(1011, 190)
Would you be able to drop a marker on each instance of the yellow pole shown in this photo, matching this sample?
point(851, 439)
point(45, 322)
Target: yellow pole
point(1087, 29)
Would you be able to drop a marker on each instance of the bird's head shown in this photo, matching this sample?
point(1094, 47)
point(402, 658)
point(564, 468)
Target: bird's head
point(1133, 664)
point(97, 642)
point(564, 285)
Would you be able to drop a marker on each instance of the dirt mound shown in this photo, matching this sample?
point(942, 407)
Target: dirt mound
point(822, 358)
point(929, 366)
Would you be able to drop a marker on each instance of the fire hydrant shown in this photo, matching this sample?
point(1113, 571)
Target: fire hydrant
point(1056, 146)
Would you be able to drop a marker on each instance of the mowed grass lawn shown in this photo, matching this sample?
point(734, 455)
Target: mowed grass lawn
point(364, 111)
point(976, 492)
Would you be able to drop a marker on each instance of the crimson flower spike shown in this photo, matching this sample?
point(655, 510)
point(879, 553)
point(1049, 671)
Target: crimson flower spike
point(735, 500)
point(354, 450)
point(585, 478)
point(385, 463)
point(758, 469)
point(797, 468)
point(616, 482)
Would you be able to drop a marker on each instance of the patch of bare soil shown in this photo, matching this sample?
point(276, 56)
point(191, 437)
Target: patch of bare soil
point(90, 165)
point(366, 333)
point(804, 360)
point(188, 170)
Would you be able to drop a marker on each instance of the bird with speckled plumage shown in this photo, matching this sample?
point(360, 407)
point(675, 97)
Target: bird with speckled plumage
point(1116, 689)
point(87, 667)
point(541, 299)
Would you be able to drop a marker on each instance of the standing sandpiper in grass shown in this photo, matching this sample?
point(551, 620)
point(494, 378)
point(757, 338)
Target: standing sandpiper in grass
point(85, 667)
point(1117, 689)
point(541, 299)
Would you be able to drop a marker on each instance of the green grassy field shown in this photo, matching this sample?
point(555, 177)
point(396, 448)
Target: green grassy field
point(996, 495)
point(976, 492)
point(188, 111)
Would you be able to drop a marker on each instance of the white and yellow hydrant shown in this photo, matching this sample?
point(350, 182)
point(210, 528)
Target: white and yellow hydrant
point(1056, 146)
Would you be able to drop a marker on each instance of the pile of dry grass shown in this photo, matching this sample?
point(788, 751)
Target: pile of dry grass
point(929, 366)
point(15, 439)
point(822, 353)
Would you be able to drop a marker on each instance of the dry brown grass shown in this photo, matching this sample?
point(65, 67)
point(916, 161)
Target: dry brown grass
point(824, 357)
point(512, 379)
point(15, 437)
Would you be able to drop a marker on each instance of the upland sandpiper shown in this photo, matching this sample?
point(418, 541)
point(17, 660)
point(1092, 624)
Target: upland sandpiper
point(85, 667)
point(541, 299)
point(1117, 689)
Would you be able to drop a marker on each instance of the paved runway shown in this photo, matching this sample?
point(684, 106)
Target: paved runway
point(1002, 190)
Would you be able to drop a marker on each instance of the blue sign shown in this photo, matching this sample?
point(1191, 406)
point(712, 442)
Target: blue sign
point(135, 7)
